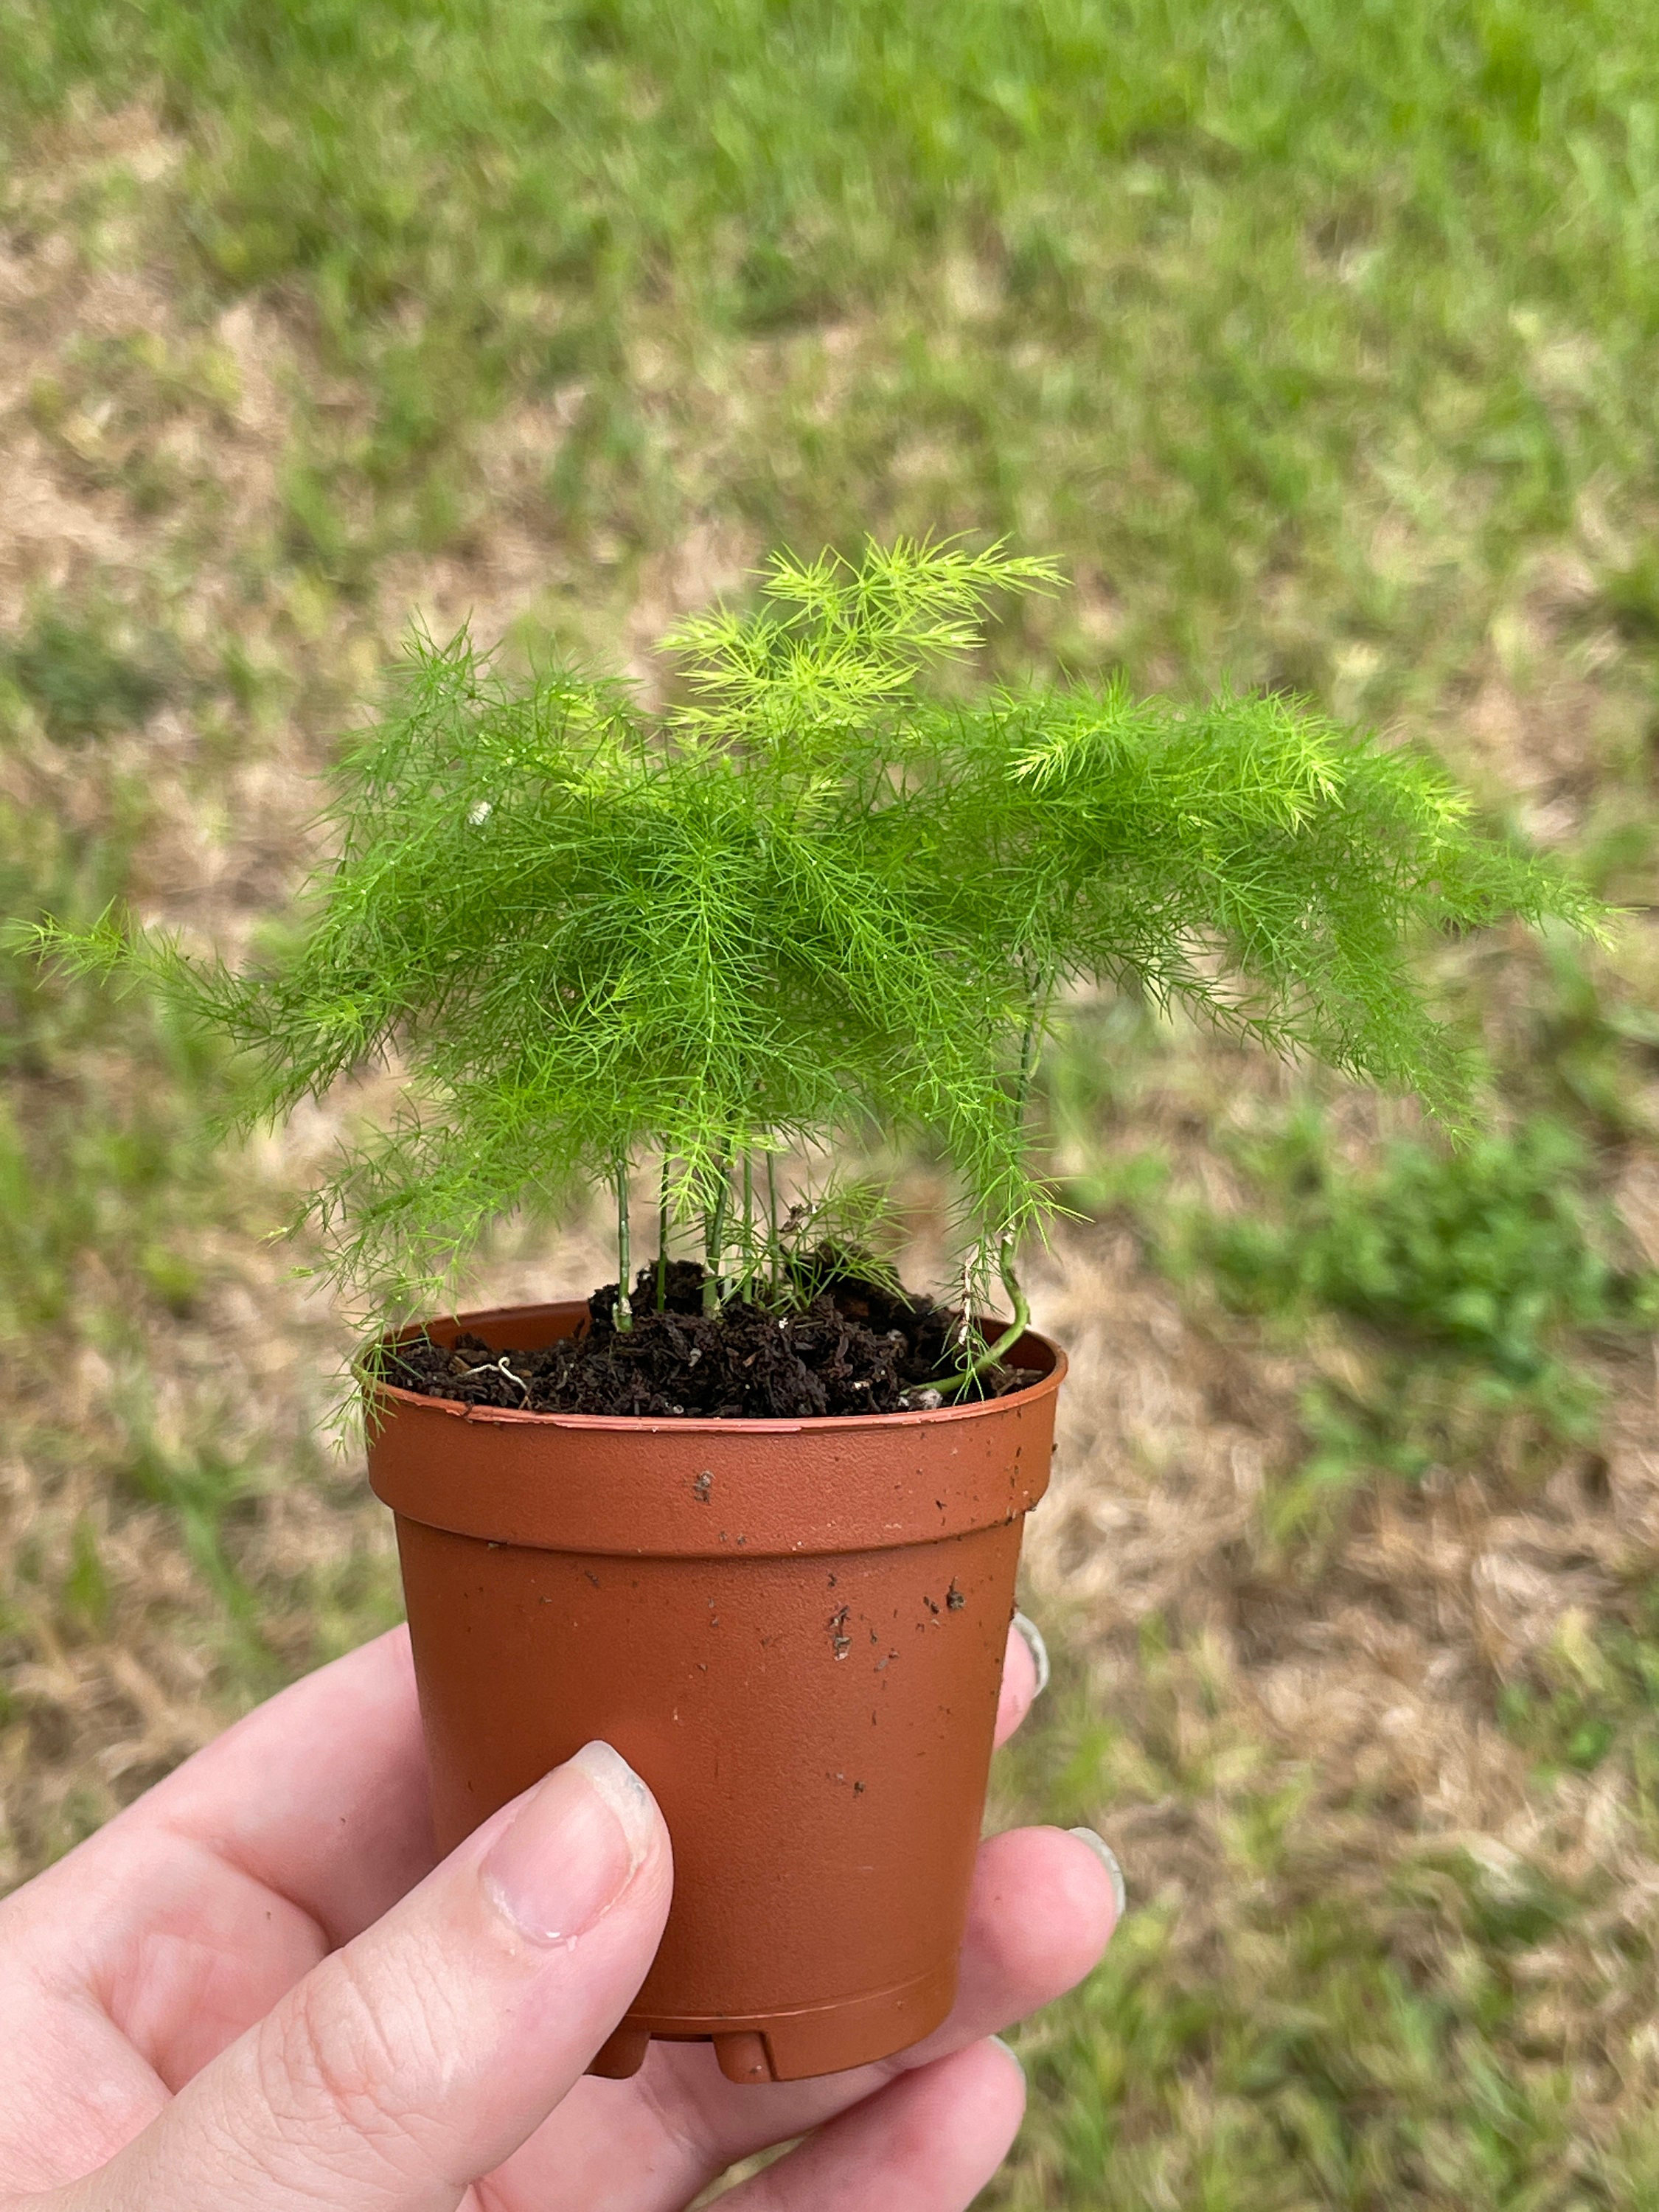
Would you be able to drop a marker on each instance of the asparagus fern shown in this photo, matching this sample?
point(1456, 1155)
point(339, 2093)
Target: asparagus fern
point(820, 898)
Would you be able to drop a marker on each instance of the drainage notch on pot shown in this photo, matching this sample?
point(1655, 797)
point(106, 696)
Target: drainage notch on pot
point(812, 1705)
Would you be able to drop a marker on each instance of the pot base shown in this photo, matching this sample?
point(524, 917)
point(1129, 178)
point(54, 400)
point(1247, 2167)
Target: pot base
point(794, 2047)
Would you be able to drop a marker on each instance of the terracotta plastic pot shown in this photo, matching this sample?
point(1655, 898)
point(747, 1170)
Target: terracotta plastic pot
point(794, 1630)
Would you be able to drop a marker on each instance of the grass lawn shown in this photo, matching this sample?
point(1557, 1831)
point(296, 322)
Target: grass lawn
point(1318, 343)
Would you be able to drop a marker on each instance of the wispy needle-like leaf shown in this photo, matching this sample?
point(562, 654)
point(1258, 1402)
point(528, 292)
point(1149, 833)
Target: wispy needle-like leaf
point(816, 902)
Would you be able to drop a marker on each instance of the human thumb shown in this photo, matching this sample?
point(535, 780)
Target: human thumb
point(417, 2058)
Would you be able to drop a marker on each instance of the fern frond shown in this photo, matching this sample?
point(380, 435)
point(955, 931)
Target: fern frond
point(815, 904)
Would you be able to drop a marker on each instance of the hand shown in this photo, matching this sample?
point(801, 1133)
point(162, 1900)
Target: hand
point(253, 1991)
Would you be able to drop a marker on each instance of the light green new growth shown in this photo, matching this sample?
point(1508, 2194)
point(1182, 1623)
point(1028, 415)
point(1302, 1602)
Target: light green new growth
point(816, 902)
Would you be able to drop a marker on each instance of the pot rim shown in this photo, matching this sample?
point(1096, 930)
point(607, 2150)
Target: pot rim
point(690, 1424)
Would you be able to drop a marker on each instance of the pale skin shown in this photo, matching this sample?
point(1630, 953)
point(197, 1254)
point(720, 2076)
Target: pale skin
point(254, 1991)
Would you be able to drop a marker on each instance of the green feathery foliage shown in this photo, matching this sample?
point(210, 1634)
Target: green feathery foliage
point(819, 899)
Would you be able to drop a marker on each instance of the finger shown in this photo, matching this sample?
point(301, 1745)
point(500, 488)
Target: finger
point(927, 2142)
point(75, 2089)
point(188, 1915)
point(320, 1794)
point(1040, 1914)
point(1042, 1908)
point(1043, 1911)
point(417, 2058)
point(1024, 1674)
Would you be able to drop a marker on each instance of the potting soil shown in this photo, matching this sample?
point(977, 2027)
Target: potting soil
point(853, 1346)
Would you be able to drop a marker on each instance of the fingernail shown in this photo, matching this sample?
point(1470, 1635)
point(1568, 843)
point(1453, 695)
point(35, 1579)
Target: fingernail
point(1108, 1857)
point(1009, 2050)
point(573, 1848)
point(1038, 1650)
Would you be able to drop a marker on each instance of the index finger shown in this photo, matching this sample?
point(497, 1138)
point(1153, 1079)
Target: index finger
point(320, 1794)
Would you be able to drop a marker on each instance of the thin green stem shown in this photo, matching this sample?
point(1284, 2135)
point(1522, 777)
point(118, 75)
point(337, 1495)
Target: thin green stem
point(748, 1218)
point(1027, 1058)
point(714, 1242)
point(662, 1239)
point(993, 1355)
point(624, 1315)
point(774, 1245)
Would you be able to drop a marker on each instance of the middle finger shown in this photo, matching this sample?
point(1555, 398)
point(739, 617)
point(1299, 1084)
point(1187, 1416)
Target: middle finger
point(1042, 1908)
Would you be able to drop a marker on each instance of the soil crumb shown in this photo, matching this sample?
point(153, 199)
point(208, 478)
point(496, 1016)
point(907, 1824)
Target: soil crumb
point(855, 1346)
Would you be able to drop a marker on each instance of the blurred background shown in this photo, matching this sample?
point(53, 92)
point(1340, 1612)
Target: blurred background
point(1319, 341)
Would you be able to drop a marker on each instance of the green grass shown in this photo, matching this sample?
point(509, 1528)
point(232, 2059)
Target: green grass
point(1593, 1696)
point(1298, 330)
point(1320, 2012)
point(78, 680)
point(1485, 1255)
point(1476, 1286)
point(1317, 340)
point(105, 1143)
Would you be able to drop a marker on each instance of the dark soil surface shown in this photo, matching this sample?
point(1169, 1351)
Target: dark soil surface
point(855, 1347)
